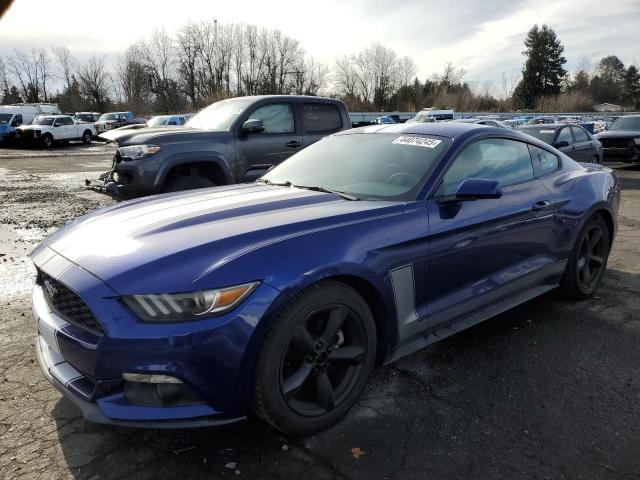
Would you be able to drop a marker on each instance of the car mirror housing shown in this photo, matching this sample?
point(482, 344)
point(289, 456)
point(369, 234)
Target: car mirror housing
point(253, 125)
point(478, 189)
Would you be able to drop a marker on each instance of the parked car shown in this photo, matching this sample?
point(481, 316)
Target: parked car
point(540, 120)
point(385, 120)
point(621, 141)
point(48, 129)
point(166, 121)
point(231, 141)
point(108, 121)
point(86, 117)
point(278, 296)
point(490, 122)
point(572, 140)
point(430, 115)
point(12, 116)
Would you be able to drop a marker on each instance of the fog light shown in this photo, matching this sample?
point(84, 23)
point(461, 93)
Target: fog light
point(146, 378)
point(153, 390)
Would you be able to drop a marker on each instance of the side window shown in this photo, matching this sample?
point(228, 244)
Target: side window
point(543, 161)
point(17, 121)
point(277, 117)
point(580, 135)
point(321, 118)
point(565, 136)
point(506, 161)
point(67, 121)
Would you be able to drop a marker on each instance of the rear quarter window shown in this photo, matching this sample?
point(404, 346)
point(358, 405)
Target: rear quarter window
point(543, 161)
point(321, 118)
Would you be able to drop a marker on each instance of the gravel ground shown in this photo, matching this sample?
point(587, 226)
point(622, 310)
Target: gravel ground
point(550, 389)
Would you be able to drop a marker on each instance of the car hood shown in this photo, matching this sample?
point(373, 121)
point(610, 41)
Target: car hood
point(618, 134)
point(32, 127)
point(185, 236)
point(159, 135)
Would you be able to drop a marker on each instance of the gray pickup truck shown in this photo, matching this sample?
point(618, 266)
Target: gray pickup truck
point(231, 141)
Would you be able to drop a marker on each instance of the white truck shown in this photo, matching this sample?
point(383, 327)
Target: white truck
point(48, 129)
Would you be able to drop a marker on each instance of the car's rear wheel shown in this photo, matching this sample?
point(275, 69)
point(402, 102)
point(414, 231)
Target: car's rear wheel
point(588, 261)
point(315, 359)
point(86, 137)
point(188, 182)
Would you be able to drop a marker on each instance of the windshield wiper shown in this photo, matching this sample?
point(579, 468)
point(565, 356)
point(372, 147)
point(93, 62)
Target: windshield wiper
point(346, 196)
point(277, 184)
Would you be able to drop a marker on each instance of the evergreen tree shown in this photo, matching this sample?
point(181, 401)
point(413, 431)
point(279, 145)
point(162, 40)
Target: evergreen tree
point(543, 71)
point(11, 95)
point(632, 86)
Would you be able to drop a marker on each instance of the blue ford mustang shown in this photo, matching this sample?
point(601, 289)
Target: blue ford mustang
point(278, 297)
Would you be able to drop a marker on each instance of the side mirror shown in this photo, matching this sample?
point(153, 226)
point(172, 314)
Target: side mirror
point(56, 124)
point(478, 189)
point(561, 144)
point(252, 125)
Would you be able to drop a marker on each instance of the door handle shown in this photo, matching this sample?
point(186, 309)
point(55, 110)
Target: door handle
point(293, 144)
point(541, 205)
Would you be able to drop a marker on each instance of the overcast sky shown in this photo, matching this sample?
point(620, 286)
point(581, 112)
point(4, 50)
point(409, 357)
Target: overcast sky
point(485, 37)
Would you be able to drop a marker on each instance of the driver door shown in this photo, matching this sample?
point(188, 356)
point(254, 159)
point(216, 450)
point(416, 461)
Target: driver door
point(281, 138)
point(484, 250)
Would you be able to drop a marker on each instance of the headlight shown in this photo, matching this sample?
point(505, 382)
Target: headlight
point(178, 307)
point(135, 152)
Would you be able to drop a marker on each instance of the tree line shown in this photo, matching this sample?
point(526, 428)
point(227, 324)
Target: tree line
point(207, 61)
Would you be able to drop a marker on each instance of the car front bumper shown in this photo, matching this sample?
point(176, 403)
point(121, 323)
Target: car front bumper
point(212, 357)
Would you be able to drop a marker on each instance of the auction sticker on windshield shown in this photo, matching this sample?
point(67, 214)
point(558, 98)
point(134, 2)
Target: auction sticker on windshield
point(418, 141)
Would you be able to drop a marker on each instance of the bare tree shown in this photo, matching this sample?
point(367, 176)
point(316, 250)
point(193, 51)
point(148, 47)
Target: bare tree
point(66, 65)
point(133, 79)
point(43, 69)
point(159, 56)
point(310, 77)
point(407, 70)
point(188, 47)
point(24, 68)
point(94, 81)
point(4, 75)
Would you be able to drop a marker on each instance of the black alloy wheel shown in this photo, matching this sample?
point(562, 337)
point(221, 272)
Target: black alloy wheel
point(314, 359)
point(591, 260)
point(588, 261)
point(323, 360)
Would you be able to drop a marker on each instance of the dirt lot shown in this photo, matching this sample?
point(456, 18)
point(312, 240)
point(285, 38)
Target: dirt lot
point(548, 390)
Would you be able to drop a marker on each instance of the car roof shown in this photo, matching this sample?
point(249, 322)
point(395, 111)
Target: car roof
point(550, 125)
point(442, 129)
point(309, 98)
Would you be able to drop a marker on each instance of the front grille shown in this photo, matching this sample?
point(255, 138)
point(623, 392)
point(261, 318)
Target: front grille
point(68, 304)
point(617, 143)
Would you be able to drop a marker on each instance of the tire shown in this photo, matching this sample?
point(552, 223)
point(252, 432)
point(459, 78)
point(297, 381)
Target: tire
point(47, 140)
point(588, 261)
point(189, 182)
point(86, 137)
point(315, 359)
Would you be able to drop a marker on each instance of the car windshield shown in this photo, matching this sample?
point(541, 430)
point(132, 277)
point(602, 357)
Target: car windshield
point(219, 116)
point(43, 121)
point(84, 117)
point(158, 121)
point(421, 117)
point(544, 134)
point(385, 166)
point(539, 120)
point(108, 116)
point(626, 123)
point(5, 117)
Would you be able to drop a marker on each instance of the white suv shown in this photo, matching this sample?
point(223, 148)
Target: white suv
point(49, 129)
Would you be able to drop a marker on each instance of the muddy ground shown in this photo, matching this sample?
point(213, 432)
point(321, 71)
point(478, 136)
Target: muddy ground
point(550, 389)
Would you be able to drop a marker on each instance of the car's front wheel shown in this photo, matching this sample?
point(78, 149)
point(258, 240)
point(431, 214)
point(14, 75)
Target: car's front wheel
point(315, 359)
point(47, 140)
point(588, 261)
point(189, 182)
point(86, 137)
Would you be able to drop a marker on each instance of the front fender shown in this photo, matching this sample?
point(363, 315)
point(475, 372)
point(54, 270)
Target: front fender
point(184, 158)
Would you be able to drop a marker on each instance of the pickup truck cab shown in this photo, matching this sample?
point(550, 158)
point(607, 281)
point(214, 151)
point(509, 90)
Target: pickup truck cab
point(231, 141)
point(49, 129)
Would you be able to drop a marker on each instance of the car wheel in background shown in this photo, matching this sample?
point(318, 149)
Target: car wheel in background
point(315, 359)
point(47, 140)
point(588, 261)
point(86, 136)
point(189, 182)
